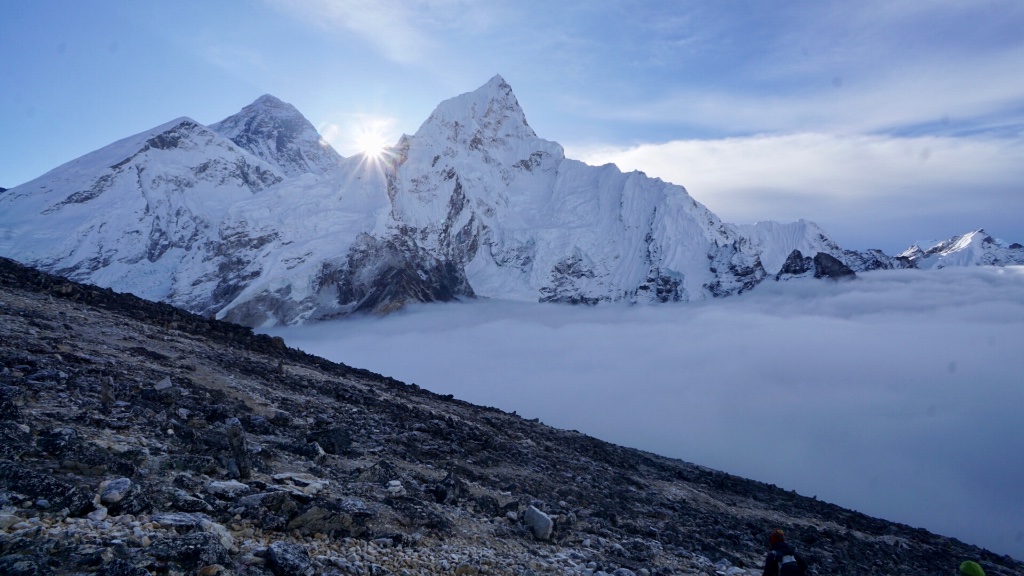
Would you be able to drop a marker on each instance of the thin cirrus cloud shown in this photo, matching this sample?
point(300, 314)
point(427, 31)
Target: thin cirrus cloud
point(402, 32)
point(387, 24)
point(898, 394)
point(953, 95)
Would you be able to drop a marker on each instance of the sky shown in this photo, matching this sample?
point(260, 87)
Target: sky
point(886, 122)
point(898, 395)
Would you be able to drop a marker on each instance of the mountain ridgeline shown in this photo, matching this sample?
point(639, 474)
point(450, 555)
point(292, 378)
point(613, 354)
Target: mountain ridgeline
point(257, 220)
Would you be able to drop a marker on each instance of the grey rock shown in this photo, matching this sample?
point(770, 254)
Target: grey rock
point(115, 490)
point(229, 490)
point(285, 559)
point(238, 449)
point(192, 551)
point(98, 515)
point(539, 522)
point(180, 519)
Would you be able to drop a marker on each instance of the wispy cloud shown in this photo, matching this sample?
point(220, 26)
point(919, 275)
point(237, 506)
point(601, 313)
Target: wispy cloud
point(898, 395)
point(390, 25)
point(904, 186)
point(830, 67)
point(959, 94)
point(403, 32)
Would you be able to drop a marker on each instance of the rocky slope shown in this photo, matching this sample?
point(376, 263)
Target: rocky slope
point(136, 438)
point(257, 220)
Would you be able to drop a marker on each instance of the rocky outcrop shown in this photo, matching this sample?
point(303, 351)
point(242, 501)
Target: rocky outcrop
point(822, 265)
point(828, 266)
point(118, 401)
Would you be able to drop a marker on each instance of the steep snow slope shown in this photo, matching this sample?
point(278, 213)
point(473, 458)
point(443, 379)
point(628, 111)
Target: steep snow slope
point(975, 248)
point(140, 215)
point(276, 132)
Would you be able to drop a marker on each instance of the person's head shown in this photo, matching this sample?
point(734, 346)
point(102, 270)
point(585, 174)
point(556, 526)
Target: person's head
point(971, 568)
point(776, 536)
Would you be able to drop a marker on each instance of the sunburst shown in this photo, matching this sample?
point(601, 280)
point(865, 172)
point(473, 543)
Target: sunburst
point(371, 143)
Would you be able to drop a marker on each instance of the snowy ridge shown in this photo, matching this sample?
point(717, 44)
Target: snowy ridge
point(975, 248)
point(256, 220)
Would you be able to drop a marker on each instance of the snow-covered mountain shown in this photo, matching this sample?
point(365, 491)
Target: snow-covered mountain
point(972, 249)
point(276, 132)
point(259, 221)
point(141, 215)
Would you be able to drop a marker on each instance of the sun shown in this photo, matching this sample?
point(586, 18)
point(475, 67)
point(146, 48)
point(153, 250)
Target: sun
point(371, 144)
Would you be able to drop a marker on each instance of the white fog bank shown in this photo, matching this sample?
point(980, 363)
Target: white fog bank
point(900, 394)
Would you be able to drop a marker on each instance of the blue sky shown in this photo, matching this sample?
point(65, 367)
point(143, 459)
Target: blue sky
point(885, 122)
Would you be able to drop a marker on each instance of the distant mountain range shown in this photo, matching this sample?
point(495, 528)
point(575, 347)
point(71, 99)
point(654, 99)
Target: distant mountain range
point(257, 220)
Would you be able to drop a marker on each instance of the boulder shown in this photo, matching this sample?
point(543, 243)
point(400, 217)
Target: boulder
point(540, 523)
point(192, 551)
point(113, 491)
point(286, 559)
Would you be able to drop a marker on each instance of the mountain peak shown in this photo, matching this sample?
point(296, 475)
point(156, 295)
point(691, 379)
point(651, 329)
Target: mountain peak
point(491, 112)
point(270, 100)
point(278, 133)
point(971, 249)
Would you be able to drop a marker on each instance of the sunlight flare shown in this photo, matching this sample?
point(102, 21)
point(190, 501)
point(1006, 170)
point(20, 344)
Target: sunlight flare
point(371, 143)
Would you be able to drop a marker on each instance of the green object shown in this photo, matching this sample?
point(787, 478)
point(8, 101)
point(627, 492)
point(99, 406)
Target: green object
point(971, 568)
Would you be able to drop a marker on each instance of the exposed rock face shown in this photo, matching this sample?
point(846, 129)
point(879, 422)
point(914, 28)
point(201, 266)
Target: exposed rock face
point(827, 266)
point(351, 473)
point(822, 265)
point(795, 265)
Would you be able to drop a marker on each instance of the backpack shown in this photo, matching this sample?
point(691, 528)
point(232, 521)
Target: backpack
point(787, 564)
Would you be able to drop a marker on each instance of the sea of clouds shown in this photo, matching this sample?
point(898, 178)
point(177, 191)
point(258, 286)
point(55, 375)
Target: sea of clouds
point(899, 394)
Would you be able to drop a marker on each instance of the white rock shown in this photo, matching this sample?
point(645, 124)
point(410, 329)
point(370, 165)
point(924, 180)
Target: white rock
point(112, 491)
point(98, 514)
point(220, 531)
point(8, 520)
point(539, 522)
point(229, 488)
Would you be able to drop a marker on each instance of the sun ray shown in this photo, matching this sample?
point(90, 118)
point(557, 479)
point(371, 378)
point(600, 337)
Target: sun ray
point(371, 143)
